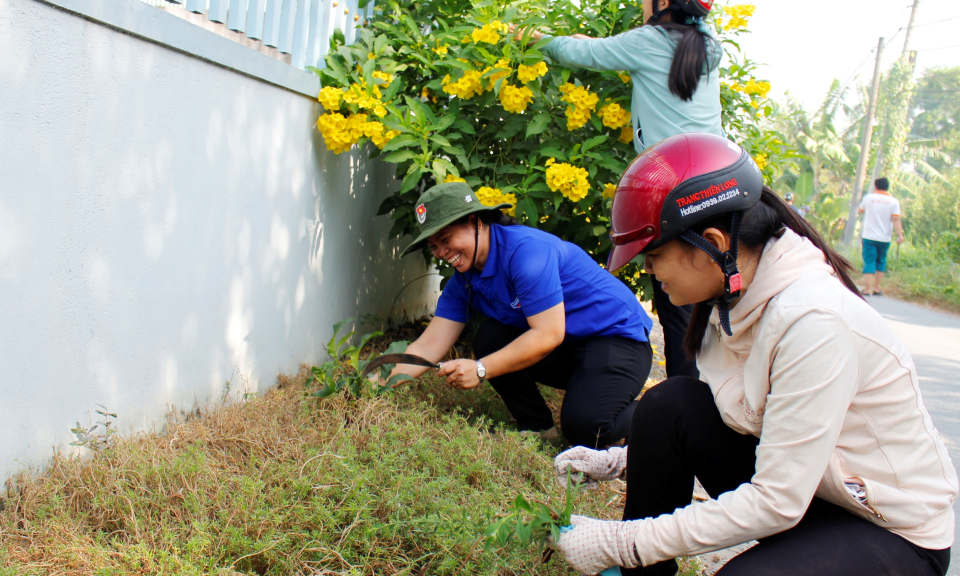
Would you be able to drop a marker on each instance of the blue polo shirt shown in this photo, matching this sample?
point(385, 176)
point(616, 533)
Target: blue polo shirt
point(528, 271)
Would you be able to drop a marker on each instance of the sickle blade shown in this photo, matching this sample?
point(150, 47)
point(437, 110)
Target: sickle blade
point(397, 359)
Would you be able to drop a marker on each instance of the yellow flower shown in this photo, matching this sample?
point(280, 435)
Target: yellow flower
point(567, 179)
point(371, 56)
point(626, 135)
point(359, 96)
point(761, 89)
point(739, 15)
point(330, 98)
point(380, 110)
point(493, 196)
point(386, 77)
point(614, 116)
point(441, 50)
point(452, 178)
point(625, 77)
point(761, 160)
point(609, 190)
point(466, 87)
point(530, 73)
point(425, 93)
point(583, 102)
point(489, 32)
point(515, 99)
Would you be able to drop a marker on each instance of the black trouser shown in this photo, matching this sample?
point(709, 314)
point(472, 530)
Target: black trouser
point(602, 377)
point(674, 320)
point(678, 433)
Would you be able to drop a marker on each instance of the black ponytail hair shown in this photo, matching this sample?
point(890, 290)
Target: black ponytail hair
point(691, 57)
point(761, 222)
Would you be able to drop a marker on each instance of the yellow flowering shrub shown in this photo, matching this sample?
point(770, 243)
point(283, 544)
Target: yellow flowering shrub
point(449, 95)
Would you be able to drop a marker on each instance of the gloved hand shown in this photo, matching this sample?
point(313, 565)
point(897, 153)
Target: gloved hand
point(595, 545)
point(595, 465)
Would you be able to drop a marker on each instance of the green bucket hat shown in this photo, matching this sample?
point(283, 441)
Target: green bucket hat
point(442, 205)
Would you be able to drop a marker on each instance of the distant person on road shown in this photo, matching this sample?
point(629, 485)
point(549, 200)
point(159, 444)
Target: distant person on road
point(807, 427)
point(881, 216)
point(788, 197)
point(673, 62)
point(552, 316)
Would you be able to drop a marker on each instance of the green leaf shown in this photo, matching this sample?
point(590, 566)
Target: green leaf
point(410, 180)
point(400, 156)
point(397, 379)
point(526, 206)
point(593, 142)
point(401, 141)
point(538, 124)
point(440, 140)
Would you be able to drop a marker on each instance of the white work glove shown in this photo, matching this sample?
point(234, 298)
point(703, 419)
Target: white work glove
point(595, 545)
point(595, 465)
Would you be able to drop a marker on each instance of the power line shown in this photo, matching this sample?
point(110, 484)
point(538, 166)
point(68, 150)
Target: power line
point(939, 48)
point(937, 22)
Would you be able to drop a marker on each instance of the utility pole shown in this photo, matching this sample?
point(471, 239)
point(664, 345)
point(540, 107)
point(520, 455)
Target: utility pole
point(905, 55)
point(906, 41)
point(864, 149)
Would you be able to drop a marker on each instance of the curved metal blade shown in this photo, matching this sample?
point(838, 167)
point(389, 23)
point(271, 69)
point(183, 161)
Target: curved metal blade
point(397, 359)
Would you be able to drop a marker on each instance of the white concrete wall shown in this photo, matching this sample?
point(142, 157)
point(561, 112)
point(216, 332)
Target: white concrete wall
point(166, 225)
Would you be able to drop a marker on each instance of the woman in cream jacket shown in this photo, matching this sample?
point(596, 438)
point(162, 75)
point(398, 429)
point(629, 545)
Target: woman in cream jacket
point(808, 429)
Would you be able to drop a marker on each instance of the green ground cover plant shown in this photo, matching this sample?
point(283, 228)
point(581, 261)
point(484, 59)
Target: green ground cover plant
point(924, 272)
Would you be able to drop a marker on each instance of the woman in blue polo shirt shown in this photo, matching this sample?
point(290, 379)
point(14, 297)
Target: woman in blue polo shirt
point(553, 316)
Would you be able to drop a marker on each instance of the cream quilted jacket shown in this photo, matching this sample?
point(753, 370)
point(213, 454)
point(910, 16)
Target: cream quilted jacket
point(820, 378)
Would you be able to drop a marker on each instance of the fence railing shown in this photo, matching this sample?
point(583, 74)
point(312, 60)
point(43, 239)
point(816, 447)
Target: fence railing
point(300, 28)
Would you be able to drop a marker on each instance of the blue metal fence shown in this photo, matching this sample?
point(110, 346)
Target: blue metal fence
point(300, 28)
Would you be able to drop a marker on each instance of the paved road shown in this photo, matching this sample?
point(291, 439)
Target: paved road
point(933, 340)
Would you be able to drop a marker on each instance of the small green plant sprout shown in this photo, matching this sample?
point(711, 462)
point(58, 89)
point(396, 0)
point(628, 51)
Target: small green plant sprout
point(531, 522)
point(100, 435)
point(343, 372)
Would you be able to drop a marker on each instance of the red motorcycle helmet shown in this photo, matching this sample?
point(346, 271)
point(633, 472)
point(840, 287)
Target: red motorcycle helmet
point(671, 187)
point(696, 8)
point(675, 184)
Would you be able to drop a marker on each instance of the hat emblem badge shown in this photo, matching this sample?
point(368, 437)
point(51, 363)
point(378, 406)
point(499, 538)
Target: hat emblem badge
point(421, 213)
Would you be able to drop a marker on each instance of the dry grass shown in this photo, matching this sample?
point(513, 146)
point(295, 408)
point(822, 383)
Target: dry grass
point(285, 484)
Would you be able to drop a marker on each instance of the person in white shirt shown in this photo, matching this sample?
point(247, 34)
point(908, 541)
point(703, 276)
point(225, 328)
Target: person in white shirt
point(881, 215)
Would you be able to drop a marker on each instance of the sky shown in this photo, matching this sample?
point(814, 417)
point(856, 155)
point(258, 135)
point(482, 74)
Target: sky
point(805, 45)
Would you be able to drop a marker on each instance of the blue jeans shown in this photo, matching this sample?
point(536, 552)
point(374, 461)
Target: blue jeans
point(874, 256)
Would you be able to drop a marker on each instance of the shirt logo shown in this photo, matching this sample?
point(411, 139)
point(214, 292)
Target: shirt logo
point(516, 303)
point(421, 213)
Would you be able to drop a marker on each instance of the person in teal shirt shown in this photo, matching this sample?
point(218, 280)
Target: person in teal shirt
point(674, 62)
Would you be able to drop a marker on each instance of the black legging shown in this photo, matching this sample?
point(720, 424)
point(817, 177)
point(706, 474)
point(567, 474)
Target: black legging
point(678, 433)
point(602, 377)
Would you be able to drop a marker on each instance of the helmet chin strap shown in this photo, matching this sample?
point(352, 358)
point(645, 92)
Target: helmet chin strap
point(732, 281)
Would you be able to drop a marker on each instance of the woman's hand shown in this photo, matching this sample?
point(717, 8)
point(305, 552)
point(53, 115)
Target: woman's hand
point(595, 465)
point(535, 35)
point(461, 374)
point(595, 545)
